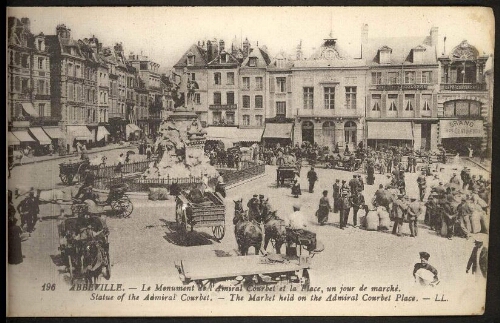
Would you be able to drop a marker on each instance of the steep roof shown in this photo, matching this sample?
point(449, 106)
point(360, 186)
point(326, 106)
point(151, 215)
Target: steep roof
point(262, 57)
point(230, 61)
point(401, 50)
point(288, 62)
point(200, 57)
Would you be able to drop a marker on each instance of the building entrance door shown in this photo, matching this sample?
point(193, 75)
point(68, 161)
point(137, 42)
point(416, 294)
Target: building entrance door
point(308, 132)
point(426, 136)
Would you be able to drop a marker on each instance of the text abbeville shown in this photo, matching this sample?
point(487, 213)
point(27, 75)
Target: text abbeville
point(97, 287)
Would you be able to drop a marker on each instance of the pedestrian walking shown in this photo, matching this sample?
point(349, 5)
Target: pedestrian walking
point(312, 177)
point(323, 209)
point(414, 212)
point(399, 209)
point(358, 202)
point(15, 255)
point(422, 185)
point(29, 209)
point(336, 196)
point(354, 184)
point(361, 184)
point(345, 206)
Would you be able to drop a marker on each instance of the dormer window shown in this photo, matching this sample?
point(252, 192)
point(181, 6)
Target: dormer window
point(40, 45)
point(190, 59)
point(418, 54)
point(385, 55)
point(280, 63)
point(252, 62)
point(223, 58)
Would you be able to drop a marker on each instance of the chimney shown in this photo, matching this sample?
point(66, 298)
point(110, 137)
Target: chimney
point(246, 47)
point(63, 32)
point(26, 24)
point(364, 37)
point(434, 36)
point(221, 45)
point(209, 50)
point(299, 51)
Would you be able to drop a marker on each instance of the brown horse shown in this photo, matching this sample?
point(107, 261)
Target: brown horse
point(274, 228)
point(248, 234)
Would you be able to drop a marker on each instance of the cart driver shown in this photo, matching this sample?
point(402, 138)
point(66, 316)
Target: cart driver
point(86, 189)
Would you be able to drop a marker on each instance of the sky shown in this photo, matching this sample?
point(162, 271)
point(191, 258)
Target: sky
point(165, 33)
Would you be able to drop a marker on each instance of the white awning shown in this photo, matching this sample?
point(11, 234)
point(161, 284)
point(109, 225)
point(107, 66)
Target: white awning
point(23, 136)
point(29, 109)
point(390, 130)
point(80, 132)
point(53, 132)
point(250, 135)
point(130, 128)
point(41, 136)
point(278, 130)
point(102, 132)
point(12, 140)
point(227, 135)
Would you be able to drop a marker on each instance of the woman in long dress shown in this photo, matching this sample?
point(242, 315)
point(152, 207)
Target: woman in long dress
point(296, 191)
point(324, 208)
point(15, 252)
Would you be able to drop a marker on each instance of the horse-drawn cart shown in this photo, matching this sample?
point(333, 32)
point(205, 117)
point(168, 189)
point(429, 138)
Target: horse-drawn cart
point(208, 212)
point(286, 173)
point(246, 271)
point(84, 247)
point(69, 171)
point(349, 163)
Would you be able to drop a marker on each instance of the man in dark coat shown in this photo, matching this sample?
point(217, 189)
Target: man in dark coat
point(336, 196)
point(354, 184)
point(345, 206)
point(478, 259)
point(431, 209)
point(15, 255)
point(29, 209)
point(422, 185)
point(399, 209)
point(312, 177)
point(253, 208)
point(358, 202)
point(465, 176)
point(361, 185)
point(414, 211)
point(448, 212)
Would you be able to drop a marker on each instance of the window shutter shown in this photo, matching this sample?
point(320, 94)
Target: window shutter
point(289, 84)
point(272, 84)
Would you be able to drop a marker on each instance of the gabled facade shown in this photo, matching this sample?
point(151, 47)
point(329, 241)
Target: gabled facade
point(253, 89)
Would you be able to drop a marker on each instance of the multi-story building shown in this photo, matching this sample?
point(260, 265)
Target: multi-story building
point(328, 93)
point(253, 89)
point(401, 103)
point(130, 99)
point(67, 83)
point(41, 83)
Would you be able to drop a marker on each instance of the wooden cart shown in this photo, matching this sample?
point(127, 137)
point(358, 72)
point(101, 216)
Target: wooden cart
point(246, 270)
point(286, 174)
point(209, 213)
point(70, 171)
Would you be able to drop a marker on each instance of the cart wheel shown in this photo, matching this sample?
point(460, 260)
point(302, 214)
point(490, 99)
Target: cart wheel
point(218, 232)
point(126, 206)
point(71, 270)
point(64, 178)
point(107, 275)
point(306, 279)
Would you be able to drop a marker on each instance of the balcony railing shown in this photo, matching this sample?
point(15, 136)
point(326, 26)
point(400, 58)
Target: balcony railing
point(463, 87)
point(223, 106)
point(42, 96)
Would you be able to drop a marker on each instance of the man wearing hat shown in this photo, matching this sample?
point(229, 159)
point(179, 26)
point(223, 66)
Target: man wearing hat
point(336, 196)
point(28, 210)
point(361, 184)
point(414, 212)
point(253, 208)
point(454, 179)
point(399, 210)
point(261, 208)
point(464, 213)
point(465, 176)
point(312, 177)
point(478, 259)
point(422, 185)
point(354, 184)
point(345, 206)
point(423, 272)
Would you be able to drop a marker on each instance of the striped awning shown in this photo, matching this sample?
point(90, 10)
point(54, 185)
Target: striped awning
point(12, 140)
point(40, 135)
point(23, 136)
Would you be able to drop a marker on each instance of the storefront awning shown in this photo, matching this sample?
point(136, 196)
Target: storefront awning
point(278, 130)
point(80, 132)
point(102, 132)
point(53, 132)
point(227, 135)
point(41, 136)
point(29, 109)
point(390, 130)
point(13, 141)
point(250, 135)
point(23, 136)
point(460, 128)
point(130, 128)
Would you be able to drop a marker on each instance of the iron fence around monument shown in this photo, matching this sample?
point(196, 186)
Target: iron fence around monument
point(130, 175)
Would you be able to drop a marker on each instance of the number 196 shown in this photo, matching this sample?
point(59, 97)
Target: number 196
point(48, 286)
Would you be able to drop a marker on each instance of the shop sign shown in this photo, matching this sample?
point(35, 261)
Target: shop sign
point(460, 128)
point(404, 87)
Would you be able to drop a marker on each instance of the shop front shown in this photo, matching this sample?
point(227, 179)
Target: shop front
point(277, 133)
point(56, 136)
point(461, 136)
point(77, 134)
point(43, 141)
point(387, 134)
